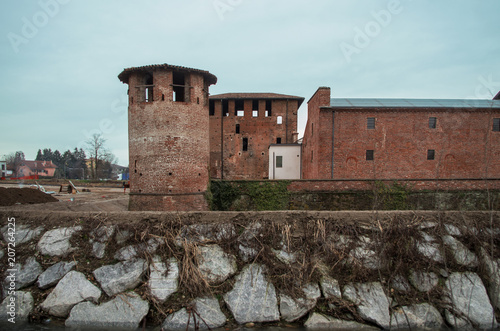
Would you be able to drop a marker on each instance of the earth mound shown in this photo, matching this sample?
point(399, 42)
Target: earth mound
point(12, 196)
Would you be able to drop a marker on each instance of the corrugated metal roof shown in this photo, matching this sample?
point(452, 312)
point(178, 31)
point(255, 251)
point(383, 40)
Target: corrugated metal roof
point(413, 103)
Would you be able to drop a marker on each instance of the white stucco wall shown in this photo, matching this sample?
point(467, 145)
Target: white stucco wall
point(290, 169)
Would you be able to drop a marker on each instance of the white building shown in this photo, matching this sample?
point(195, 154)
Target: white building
point(3, 169)
point(284, 161)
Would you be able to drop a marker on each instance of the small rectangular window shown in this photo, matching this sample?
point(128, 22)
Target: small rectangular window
point(496, 124)
point(430, 154)
point(239, 104)
point(432, 122)
point(269, 107)
point(278, 140)
point(255, 104)
point(279, 120)
point(279, 161)
point(245, 144)
point(369, 155)
point(237, 128)
point(240, 113)
point(370, 123)
point(255, 113)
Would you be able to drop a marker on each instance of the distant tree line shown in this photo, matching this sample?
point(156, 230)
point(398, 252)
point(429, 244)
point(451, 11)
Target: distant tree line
point(74, 164)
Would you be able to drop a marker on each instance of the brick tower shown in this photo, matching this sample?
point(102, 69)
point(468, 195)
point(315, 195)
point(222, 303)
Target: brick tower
point(168, 123)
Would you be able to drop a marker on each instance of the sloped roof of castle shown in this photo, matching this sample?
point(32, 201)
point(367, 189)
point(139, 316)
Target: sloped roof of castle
point(360, 103)
point(250, 95)
point(125, 74)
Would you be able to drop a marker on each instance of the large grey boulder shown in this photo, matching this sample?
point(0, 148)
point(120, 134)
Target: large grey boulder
point(134, 251)
point(120, 277)
point(492, 268)
point(468, 297)
point(214, 264)
point(163, 280)
point(372, 303)
point(330, 288)
point(16, 308)
point(420, 316)
point(72, 289)
point(23, 233)
point(54, 273)
point(462, 254)
point(430, 248)
point(293, 309)
point(56, 242)
point(205, 314)
point(125, 311)
point(202, 233)
point(320, 321)
point(253, 298)
point(98, 239)
point(24, 276)
point(423, 281)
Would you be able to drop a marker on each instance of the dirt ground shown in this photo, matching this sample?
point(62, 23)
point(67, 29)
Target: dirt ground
point(99, 199)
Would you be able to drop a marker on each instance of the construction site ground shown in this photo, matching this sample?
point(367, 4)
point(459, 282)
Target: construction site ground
point(99, 199)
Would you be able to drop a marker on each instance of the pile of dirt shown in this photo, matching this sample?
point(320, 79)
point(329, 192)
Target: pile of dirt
point(12, 196)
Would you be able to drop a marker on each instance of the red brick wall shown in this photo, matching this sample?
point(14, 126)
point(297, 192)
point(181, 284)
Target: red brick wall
point(226, 146)
point(168, 147)
point(317, 141)
point(465, 145)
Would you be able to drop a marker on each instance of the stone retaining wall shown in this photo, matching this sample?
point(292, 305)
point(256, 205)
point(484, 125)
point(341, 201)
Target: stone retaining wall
point(388, 270)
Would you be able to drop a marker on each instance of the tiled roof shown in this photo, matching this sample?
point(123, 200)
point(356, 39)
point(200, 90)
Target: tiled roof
point(249, 95)
point(39, 164)
point(358, 103)
point(125, 74)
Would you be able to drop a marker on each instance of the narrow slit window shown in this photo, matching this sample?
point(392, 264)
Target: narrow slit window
point(279, 161)
point(211, 107)
point(496, 124)
point(370, 123)
point(431, 154)
point(245, 144)
point(370, 154)
point(432, 122)
point(279, 120)
point(237, 129)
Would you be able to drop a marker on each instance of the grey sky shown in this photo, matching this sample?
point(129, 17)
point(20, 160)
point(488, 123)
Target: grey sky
point(60, 59)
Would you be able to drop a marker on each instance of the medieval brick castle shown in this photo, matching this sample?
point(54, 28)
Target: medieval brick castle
point(180, 137)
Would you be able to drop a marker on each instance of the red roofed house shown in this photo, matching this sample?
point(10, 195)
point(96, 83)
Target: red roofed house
point(32, 168)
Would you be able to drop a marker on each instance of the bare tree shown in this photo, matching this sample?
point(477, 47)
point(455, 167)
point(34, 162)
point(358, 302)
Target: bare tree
point(14, 160)
point(99, 154)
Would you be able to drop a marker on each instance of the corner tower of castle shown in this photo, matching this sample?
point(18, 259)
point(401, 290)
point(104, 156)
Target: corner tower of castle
point(168, 123)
